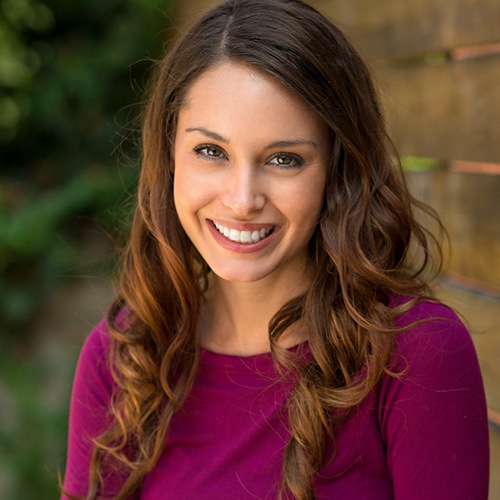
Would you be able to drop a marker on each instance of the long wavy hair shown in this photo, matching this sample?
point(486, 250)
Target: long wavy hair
point(367, 249)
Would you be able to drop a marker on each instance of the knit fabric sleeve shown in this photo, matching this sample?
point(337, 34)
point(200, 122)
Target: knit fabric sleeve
point(89, 415)
point(433, 417)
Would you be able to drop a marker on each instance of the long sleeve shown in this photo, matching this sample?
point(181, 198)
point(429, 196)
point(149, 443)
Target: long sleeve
point(89, 416)
point(433, 417)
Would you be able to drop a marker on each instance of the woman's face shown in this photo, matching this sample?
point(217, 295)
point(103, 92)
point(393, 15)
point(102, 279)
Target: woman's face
point(250, 168)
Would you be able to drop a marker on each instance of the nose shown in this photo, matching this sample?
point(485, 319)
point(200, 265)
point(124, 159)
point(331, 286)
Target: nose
point(242, 192)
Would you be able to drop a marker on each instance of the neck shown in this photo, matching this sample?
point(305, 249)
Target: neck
point(236, 315)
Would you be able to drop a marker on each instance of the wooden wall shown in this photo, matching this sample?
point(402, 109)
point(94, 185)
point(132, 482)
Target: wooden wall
point(439, 66)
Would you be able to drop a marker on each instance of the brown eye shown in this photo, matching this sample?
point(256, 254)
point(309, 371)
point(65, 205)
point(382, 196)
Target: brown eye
point(213, 151)
point(210, 151)
point(287, 160)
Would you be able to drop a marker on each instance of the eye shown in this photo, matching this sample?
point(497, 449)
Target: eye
point(286, 160)
point(210, 151)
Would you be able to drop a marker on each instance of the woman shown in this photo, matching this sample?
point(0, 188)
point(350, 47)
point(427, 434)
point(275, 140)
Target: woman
point(273, 334)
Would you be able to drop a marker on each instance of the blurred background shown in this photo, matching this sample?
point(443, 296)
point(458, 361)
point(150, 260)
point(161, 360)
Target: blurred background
point(72, 79)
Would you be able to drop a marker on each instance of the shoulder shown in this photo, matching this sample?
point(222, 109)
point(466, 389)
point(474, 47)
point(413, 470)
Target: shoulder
point(97, 341)
point(433, 360)
point(428, 312)
point(96, 346)
point(434, 333)
point(93, 374)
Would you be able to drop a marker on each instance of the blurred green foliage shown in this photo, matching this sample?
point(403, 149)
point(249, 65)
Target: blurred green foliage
point(71, 77)
point(419, 163)
point(33, 430)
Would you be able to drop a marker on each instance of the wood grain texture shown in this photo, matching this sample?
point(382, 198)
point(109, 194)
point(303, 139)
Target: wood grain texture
point(395, 28)
point(447, 111)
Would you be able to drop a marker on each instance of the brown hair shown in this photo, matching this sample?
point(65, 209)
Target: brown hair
point(360, 248)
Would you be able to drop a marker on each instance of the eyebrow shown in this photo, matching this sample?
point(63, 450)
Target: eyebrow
point(286, 144)
point(273, 145)
point(213, 135)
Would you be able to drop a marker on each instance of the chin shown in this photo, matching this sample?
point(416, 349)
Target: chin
point(239, 276)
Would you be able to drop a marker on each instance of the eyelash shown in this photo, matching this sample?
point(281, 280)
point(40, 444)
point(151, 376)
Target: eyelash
point(296, 160)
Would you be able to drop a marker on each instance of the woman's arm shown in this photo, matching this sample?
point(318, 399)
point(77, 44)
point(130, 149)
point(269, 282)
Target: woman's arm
point(433, 418)
point(89, 413)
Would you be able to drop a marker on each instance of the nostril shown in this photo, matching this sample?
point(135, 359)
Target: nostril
point(243, 203)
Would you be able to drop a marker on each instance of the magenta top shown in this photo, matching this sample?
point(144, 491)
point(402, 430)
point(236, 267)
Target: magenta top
point(423, 435)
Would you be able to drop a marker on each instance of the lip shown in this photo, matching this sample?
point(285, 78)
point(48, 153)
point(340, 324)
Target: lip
point(237, 247)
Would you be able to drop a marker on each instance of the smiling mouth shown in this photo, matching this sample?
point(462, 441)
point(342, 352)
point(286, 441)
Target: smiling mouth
point(245, 237)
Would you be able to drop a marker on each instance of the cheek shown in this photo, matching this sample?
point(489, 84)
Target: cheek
point(307, 203)
point(191, 189)
point(182, 193)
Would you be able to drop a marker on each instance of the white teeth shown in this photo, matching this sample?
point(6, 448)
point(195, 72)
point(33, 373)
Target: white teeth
point(243, 236)
point(246, 237)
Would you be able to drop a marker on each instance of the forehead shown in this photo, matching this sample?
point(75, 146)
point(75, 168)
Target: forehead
point(232, 94)
point(225, 73)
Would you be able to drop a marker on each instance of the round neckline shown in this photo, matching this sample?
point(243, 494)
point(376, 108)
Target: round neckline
point(262, 362)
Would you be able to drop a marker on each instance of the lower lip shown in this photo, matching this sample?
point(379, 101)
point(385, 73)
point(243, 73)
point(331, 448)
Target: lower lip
point(234, 246)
